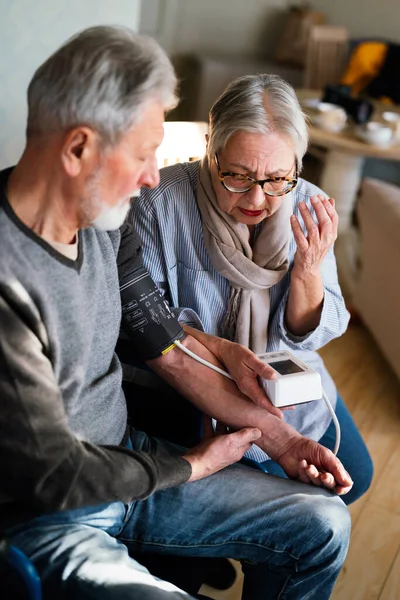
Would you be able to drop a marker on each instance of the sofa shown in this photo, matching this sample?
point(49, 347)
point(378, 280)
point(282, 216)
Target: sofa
point(376, 294)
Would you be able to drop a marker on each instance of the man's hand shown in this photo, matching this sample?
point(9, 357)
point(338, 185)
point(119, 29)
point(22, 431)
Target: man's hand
point(214, 454)
point(310, 462)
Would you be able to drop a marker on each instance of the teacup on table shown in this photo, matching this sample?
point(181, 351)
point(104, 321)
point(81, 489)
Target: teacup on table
point(329, 117)
point(375, 133)
point(393, 120)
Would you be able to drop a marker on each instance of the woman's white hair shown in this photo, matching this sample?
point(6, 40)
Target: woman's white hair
point(263, 104)
point(101, 78)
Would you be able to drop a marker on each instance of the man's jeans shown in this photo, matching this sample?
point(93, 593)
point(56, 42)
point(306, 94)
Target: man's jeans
point(291, 537)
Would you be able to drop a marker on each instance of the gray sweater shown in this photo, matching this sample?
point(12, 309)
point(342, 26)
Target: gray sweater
point(63, 412)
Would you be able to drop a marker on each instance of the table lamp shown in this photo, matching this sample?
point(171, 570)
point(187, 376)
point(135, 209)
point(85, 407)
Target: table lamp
point(183, 141)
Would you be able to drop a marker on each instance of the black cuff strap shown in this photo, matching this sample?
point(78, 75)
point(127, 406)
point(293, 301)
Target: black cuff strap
point(147, 319)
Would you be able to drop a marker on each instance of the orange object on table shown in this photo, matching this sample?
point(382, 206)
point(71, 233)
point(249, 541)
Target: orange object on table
point(364, 65)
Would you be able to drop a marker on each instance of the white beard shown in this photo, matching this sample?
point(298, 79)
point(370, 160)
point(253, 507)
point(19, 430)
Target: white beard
point(109, 219)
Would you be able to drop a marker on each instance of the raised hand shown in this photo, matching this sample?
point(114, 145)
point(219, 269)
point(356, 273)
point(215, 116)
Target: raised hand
point(312, 248)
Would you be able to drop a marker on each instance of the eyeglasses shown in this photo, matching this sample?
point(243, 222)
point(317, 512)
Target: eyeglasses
point(240, 184)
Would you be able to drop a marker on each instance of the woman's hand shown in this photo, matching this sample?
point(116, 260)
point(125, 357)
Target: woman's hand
point(245, 368)
point(312, 248)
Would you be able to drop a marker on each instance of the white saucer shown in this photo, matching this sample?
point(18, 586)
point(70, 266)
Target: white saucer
point(311, 102)
point(318, 121)
point(367, 137)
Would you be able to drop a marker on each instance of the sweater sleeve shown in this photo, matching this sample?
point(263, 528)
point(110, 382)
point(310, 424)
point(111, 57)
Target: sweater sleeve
point(43, 465)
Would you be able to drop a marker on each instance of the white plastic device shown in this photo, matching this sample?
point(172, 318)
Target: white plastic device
point(295, 382)
point(308, 384)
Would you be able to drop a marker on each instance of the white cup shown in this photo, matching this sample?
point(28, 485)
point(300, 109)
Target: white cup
point(375, 133)
point(330, 117)
point(393, 120)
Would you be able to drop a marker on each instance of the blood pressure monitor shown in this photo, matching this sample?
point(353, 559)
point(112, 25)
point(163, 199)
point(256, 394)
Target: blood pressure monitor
point(295, 381)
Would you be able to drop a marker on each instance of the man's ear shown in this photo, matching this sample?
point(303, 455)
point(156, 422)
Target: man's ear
point(79, 150)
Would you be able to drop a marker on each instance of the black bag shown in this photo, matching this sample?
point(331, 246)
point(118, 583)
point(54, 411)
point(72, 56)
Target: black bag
point(387, 83)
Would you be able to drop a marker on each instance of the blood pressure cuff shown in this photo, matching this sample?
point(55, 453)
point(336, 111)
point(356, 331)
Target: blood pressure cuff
point(147, 319)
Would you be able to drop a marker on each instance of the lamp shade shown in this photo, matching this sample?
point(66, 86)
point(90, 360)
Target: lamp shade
point(183, 141)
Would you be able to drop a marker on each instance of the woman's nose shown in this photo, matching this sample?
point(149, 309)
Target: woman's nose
point(256, 197)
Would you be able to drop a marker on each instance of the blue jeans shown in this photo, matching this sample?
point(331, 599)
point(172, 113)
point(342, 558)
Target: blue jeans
point(353, 453)
point(291, 537)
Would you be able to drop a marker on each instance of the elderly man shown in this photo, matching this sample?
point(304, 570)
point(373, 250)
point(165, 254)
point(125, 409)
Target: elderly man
point(78, 488)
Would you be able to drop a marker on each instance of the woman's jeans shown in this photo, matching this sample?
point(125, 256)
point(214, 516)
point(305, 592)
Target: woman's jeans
point(353, 453)
point(291, 537)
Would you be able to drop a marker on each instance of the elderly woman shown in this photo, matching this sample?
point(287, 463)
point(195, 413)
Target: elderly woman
point(243, 248)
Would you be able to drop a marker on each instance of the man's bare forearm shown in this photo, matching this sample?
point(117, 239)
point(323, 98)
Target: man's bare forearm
point(219, 397)
point(211, 342)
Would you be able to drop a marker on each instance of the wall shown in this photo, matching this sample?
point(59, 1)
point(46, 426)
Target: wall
point(238, 27)
point(364, 18)
point(29, 33)
point(243, 27)
point(246, 26)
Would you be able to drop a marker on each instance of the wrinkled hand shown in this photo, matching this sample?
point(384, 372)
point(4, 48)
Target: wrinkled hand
point(245, 367)
point(312, 248)
point(310, 462)
point(216, 453)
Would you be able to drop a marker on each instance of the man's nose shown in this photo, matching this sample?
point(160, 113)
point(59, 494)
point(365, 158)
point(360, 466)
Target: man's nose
point(151, 175)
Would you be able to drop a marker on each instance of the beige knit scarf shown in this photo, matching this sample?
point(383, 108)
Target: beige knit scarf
point(251, 271)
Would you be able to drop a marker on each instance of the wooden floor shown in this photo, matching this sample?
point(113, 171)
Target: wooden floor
point(372, 394)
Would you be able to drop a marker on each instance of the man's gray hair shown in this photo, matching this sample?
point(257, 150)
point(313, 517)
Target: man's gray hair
point(258, 104)
point(102, 78)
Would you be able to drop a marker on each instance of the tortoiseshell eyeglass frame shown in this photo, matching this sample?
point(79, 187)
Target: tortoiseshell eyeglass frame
point(252, 182)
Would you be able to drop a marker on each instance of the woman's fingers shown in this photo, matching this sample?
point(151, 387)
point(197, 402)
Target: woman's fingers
point(326, 225)
point(311, 226)
point(327, 218)
point(320, 209)
point(326, 213)
point(329, 205)
point(321, 229)
point(299, 237)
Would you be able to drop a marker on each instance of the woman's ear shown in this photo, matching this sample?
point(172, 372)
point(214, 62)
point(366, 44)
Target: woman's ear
point(207, 138)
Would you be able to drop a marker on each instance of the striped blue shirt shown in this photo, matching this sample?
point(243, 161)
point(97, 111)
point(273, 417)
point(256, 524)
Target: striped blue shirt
point(169, 224)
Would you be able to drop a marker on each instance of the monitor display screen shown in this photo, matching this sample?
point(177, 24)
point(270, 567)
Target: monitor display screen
point(286, 367)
